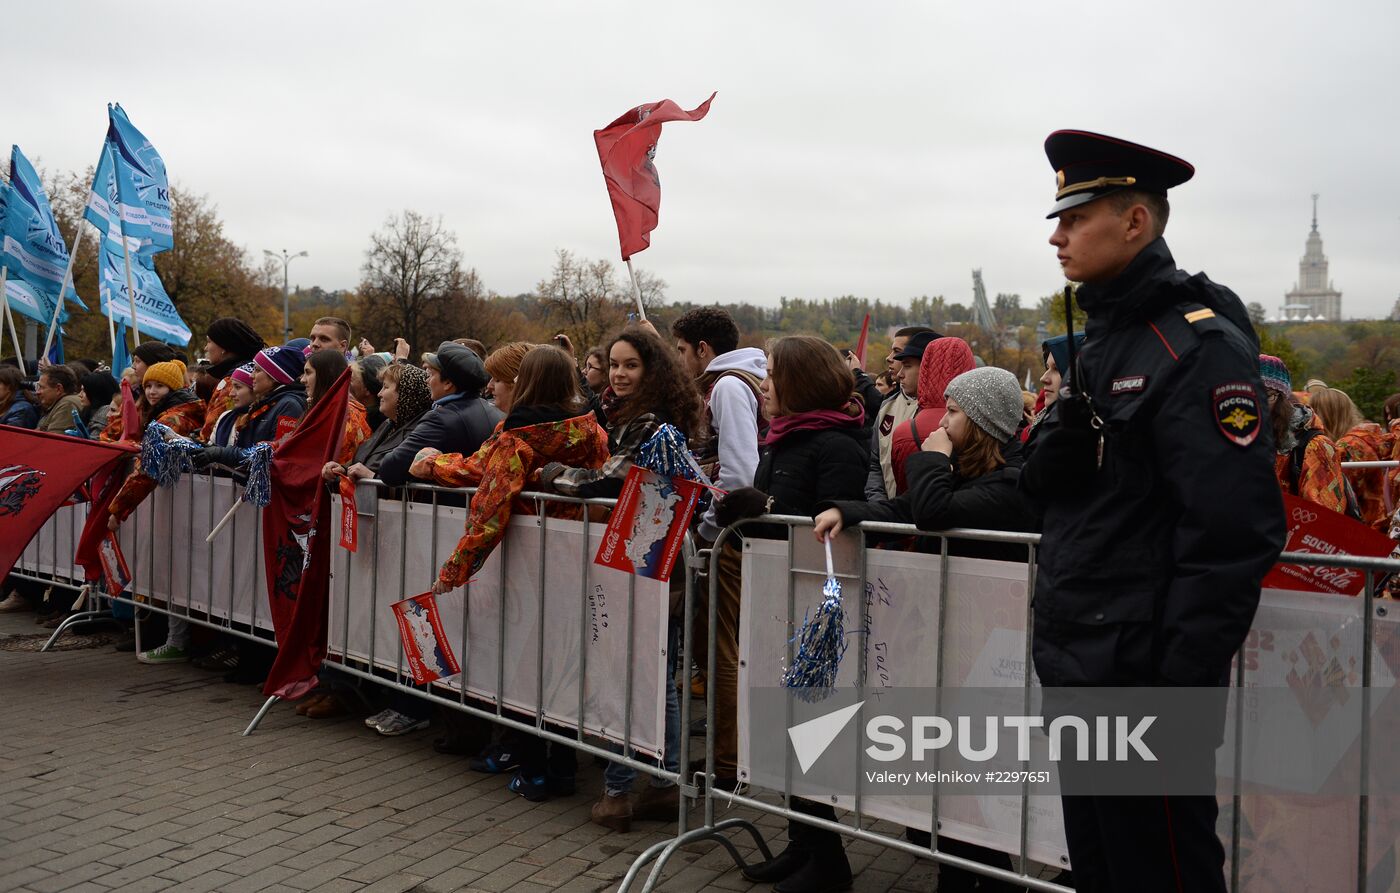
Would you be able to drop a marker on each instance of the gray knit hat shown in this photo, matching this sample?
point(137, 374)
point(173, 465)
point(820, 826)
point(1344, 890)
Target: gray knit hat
point(991, 398)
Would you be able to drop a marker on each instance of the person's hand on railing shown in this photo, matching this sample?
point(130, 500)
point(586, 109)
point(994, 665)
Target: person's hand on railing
point(422, 465)
point(113, 523)
point(330, 471)
point(828, 525)
point(745, 502)
point(228, 456)
point(359, 472)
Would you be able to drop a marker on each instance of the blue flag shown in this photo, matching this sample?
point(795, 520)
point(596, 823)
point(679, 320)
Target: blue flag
point(121, 357)
point(27, 302)
point(31, 246)
point(143, 191)
point(156, 315)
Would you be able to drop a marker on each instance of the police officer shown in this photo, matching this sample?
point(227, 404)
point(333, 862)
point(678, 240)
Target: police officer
point(1154, 471)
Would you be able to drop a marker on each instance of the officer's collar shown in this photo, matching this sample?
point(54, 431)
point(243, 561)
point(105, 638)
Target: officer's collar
point(1125, 294)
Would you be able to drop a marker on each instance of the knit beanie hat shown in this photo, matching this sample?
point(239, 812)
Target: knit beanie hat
point(100, 387)
point(243, 374)
point(301, 344)
point(1058, 347)
point(1275, 375)
point(152, 352)
point(171, 373)
point(235, 336)
point(282, 364)
point(991, 398)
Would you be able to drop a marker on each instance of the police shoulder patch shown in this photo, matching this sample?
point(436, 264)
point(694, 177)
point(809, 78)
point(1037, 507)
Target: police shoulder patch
point(1235, 405)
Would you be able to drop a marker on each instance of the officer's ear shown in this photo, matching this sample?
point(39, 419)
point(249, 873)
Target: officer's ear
point(1138, 224)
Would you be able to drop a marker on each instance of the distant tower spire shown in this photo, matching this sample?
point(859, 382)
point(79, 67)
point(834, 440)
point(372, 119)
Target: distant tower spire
point(1314, 197)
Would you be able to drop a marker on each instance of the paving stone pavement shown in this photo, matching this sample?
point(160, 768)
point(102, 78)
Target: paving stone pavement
point(118, 776)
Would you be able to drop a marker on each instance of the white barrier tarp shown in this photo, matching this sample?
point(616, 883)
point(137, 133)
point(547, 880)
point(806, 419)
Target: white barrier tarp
point(585, 620)
point(1310, 643)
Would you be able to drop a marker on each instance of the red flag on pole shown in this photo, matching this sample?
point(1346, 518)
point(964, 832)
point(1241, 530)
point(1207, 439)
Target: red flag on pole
point(297, 536)
point(860, 342)
point(626, 147)
point(38, 472)
point(131, 415)
point(104, 486)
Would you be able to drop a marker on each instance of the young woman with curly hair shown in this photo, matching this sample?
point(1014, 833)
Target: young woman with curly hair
point(647, 387)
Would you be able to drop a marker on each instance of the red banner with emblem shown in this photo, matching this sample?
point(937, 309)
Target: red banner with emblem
point(38, 472)
point(297, 530)
point(626, 148)
point(1317, 530)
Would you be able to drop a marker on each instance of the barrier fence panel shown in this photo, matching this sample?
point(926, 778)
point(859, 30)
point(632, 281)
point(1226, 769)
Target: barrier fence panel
point(930, 620)
point(525, 630)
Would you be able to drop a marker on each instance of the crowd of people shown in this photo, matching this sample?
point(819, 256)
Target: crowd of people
point(934, 438)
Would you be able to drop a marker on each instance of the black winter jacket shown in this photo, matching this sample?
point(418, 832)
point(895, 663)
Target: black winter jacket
point(386, 438)
point(807, 468)
point(939, 499)
point(286, 401)
point(457, 426)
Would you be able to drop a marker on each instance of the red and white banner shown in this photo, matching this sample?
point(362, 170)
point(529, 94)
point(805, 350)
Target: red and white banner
point(115, 572)
point(38, 473)
point(349, 520)
point(1317, 530)
point(648, 525)
point(425, 644)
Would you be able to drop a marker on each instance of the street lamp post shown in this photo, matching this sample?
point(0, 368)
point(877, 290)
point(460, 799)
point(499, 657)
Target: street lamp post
point(286, 258)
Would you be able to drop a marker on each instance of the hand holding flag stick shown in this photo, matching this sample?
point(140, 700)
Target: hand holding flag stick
point(626, 148)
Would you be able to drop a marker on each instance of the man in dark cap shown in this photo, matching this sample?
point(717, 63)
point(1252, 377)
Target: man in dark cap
point(1161, 513)
point(898, 408)
point(459, 421)
point(228, 343)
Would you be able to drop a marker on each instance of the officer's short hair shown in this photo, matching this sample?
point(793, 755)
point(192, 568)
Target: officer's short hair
point(1156, 204)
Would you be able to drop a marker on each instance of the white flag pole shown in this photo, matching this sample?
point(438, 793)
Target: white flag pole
point(58, 305)
point(636, 291)
point(10, 317)
point(111, 323)
point(130, 292)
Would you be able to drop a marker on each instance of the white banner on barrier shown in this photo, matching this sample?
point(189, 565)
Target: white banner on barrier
point(582, 621)
point(984, 645)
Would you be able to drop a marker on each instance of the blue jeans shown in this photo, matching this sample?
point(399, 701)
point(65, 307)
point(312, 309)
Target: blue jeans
point(617, 777)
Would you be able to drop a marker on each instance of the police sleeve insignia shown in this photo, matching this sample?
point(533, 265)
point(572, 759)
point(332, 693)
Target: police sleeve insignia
point(1235, 406)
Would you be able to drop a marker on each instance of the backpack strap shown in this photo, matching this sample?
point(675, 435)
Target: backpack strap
point(914, 430)
point(1295, 458)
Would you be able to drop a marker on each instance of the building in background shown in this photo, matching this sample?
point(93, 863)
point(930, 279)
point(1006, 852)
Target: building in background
point(1313, 298)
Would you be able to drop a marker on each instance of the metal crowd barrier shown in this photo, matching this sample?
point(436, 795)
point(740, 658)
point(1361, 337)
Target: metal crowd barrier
point(189, 591)
point(858, 824)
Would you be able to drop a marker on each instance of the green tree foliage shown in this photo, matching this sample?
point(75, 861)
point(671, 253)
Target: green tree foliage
point(1275, 343)
point(1368, 387)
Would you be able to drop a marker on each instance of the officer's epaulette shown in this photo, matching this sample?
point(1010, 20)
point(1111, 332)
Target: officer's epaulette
point(1181, 327)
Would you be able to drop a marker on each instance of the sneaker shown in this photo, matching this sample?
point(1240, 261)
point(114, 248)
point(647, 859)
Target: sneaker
point(382, 716)
point(495, 759)
point(534, 788)
point(13, 603)
point(398, 724)
point(165, 654)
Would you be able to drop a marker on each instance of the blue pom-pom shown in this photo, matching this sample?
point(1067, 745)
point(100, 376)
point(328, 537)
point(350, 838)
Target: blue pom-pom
point(667, 453)
point(258, 489)
point(821, 643)
point(165, 455)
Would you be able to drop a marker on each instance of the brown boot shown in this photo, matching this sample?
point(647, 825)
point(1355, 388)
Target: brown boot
point(613, 812)
point(327, 707)
point(657, 804)
point(311, 701)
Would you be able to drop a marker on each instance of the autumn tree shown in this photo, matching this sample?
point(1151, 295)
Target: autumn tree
point(583, 298)
point(414, 285)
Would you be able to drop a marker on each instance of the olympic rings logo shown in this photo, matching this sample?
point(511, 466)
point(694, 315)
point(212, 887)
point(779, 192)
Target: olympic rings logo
point(1303, 516)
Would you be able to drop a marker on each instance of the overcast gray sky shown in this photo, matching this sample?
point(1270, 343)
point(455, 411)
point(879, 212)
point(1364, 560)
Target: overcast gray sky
point(876, 149)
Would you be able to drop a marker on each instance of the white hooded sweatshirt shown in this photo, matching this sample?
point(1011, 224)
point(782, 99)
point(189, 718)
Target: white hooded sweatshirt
point(734, 411)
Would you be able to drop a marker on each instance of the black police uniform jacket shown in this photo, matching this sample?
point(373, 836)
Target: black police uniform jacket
point(1151, 559)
